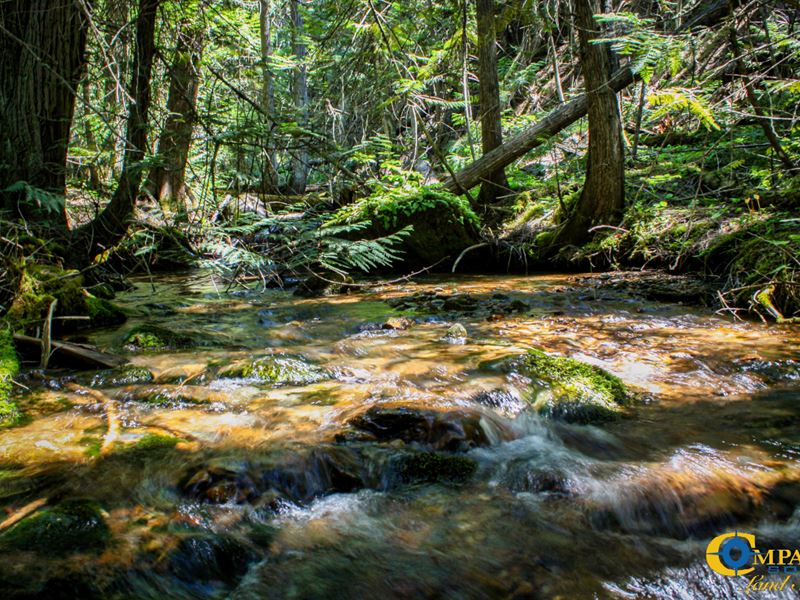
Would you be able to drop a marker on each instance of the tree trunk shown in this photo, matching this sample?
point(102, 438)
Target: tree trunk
point(167, 182)
point(42, 54)
point(300, 163)
point(270, 183)
point(534, 136)
point(110, 226)
point(603, 197)
point(494, 185)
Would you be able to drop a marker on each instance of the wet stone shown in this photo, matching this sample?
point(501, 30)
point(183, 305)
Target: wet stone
point(155, 338)
point(279, 369)
point(68, 527)
point(454, 431)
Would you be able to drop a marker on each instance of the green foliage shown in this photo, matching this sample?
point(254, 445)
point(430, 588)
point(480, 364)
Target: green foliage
point(388, 206)
point(293, 243)
point(9, 367)
point(681, 99)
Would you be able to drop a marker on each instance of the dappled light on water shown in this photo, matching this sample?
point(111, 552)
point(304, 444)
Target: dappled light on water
point(361, 446)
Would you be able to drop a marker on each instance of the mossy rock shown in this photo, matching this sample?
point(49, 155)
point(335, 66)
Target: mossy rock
point(154, 338)
point(150, 443)
point(38, 286)
point(570, 390)
point(436, 467)
point(10, 415)
point(443, 224)
point(72, 526)
point(169, 395)
point(104, 313)
point(121, 376)
point(278, 370)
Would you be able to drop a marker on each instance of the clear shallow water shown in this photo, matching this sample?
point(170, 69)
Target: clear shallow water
point(554, 510)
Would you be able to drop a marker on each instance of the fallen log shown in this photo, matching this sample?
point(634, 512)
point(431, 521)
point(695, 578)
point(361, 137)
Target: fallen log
point(534, 136)
point(68, 354)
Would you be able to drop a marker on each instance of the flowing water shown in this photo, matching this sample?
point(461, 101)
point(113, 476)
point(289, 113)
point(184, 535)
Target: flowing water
point(220, 485)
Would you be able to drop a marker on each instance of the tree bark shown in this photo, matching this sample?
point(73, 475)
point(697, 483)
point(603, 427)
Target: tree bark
point(42, 58)
point(167, 181)
point(270, 183)
point(603, 197)
point(110, 226)
point(534, 136)
point(494, 185)
point(300, 163)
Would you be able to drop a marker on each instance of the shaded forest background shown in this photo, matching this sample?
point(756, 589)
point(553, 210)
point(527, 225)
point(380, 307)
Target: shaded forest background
point(303, 143)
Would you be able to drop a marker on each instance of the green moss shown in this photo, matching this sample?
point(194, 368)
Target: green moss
point(72, 526)
point(278, 369)
point(127, 375)
point(10, 415)
point(436, 467)
point(152, 337)
point(103, 312)
point(575, 391)
point(389, 208)
point(150, 442)
point(39, 285)
point(441, 223)
point(568, 389)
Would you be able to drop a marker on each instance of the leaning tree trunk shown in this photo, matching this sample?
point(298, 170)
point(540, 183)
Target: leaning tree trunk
point(603, 197)
point(167, 181)
point(495, 184)
point(110, 226)
point(42, 54)
point(530, 138)
point(300, 166)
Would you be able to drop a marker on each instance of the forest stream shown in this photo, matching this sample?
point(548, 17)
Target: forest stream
point(376, 449)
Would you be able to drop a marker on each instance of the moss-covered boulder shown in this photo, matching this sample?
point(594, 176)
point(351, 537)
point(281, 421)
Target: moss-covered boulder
point(10, 415)
point(71, 526)
point(39, 285)
point(437, 467)
point(104, 313)
point(155, 338)
point(443, 224)
point(568, 389)
point(277, 369)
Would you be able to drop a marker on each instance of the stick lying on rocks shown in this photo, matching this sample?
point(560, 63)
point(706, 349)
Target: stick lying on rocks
point(69, 354)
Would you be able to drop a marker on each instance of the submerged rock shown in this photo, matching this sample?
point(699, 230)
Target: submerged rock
point(71, 526)
point(277, 369)
point(153, 337)
point(127, 375)
point(693, 502)
point(455, 431)
point(435, 467)
point(567, 389)
point(456, 334)
point(208, 558)
point(398, 323)
point(221, 485)
point(168, 395)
